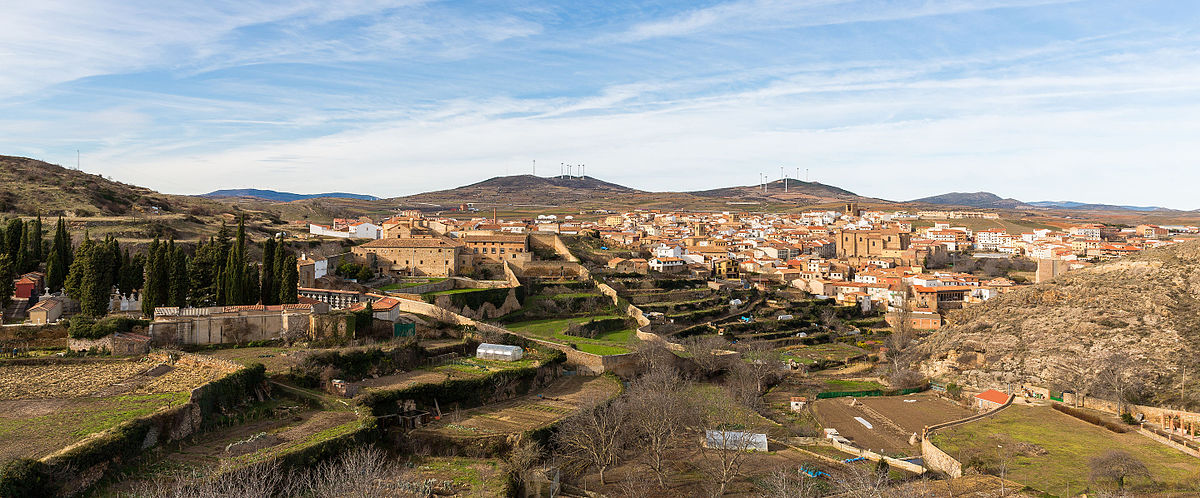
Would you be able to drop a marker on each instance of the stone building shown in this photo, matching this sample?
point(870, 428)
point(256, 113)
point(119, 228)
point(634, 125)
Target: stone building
point(497, 248)
point(434, 256)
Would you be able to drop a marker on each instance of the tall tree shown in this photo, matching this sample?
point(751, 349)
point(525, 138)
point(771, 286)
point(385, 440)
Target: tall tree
point(179, 278)
point(291, 277)
point(59, 261)
point(80, 266)
point(37, 245)
point(97, 283)
point(269, 291)
point(150, 297)
point(12, 238)
point(6, 281)
point(203, 270)
point(23, 256)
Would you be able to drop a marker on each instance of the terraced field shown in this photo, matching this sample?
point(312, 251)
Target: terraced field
point(527, 412)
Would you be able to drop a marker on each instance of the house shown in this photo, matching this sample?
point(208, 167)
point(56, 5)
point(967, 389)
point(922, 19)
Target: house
point(666, 265)
point(46, 311)
point(990, 399)
point(387, 308)
point(798, 403)
point(25, 288)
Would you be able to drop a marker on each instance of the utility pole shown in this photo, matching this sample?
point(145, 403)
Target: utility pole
point(535, 167)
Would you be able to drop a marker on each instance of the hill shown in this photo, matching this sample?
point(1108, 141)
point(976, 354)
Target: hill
point(277, 196)
point(1093, 207)
point(1140, 314)
point(29, 186)
point(789, 191)
point(985, 200)
point(528, 190)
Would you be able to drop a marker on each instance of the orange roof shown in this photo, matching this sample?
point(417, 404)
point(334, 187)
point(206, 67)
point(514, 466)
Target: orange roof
point(994, 396)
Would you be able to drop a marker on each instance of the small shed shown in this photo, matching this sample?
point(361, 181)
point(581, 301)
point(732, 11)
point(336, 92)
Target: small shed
point(502, 352)
point(990, 399)
point(735, 440)
point(798, 403)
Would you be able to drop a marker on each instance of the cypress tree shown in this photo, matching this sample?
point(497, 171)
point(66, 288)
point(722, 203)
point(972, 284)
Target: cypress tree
point(287, 287)
point(38, 245)
point(162, 274)
point(95, 286)
point(80, 266)
point(12, 238)
point(269, 293)
point(22, 255)
point(179, 278)
point(233, 279)
point(149, 285)
point(6, 281)
point(59, 261)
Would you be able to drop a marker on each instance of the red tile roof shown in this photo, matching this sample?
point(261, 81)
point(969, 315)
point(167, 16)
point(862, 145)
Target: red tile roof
point(994, 396)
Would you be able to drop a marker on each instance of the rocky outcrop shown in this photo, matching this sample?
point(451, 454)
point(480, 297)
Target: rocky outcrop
point(1142, 311)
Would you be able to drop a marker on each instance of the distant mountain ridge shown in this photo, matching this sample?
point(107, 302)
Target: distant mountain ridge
point(1084, 205)
point(275, 195)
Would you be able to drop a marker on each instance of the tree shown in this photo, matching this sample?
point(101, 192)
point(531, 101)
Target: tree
point(595, 435)
point(659, 413)
point(150, 296)
point(59, 261)
point(762, 362)
point(291, 276)
point(36, 245)
point(705, 351)
point(269, 292)
point(90, 279)
point(791, 483)
point(1117, 466)
point(80, 266)
point(6, 281)
point(1113, 376)
point(12, 238)
point(178, 293)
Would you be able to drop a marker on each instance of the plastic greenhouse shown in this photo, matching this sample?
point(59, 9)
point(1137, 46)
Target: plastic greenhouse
point(502, 352)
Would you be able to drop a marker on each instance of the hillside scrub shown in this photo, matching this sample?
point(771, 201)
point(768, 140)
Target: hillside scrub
point(1144, 309)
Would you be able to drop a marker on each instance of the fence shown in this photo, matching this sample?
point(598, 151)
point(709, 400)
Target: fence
point(873, 392)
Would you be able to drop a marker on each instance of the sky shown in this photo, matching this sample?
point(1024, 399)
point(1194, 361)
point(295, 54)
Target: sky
point(1093, 101)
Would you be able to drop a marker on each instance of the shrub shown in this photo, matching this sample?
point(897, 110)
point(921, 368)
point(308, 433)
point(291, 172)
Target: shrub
point(1091, 418)
point(87, 328)
point(1128, 419)
point(26, 477)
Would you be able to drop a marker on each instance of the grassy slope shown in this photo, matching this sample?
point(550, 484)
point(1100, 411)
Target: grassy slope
point(615, 342)
point(1070, 444)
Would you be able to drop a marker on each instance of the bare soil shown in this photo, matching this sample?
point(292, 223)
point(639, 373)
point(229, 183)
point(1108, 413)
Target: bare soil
point(893, 419)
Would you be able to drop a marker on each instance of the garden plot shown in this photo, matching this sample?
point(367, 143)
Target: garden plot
point(834, 352)
point(529, 412)
point(46, 407)
point(885, 424)
point(464, 368)
point(608, 343)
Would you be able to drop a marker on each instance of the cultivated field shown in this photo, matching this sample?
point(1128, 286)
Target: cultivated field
point(893, 419)
point(616, 342)
point(45, 407)
point(464, 368)
point(277, 359)
point(1050, 451)
point(833, 352)
point(554, 402)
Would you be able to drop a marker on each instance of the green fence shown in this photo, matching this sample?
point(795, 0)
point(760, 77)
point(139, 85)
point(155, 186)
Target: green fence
point(404, 330)
point(874, 392)
point(1056, 398)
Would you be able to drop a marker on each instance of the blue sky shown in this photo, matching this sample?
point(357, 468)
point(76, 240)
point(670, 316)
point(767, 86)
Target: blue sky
point(1094, 101)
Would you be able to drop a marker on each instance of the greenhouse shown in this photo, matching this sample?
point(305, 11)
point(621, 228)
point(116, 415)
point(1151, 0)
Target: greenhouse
point(502, 352)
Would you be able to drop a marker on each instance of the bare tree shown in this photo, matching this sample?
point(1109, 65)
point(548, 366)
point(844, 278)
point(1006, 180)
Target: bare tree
point(762, 362)
point(660, 413)
point(790, 483)
point(1114, 376)
point(725, 449)
point(596, 434)
point(653, 355)
point(706, 352)
point(1117, 466)
point(523, 457)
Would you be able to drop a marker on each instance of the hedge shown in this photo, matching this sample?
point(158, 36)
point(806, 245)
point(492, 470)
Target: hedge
point(26, 477)
point(475, 299)
point(1091, 418)
point(86, 328)
point(468, 392)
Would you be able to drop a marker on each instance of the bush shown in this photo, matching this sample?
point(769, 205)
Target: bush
point(1128, 419)
point(1091, 418)
point(87, 328)
point(26, 477)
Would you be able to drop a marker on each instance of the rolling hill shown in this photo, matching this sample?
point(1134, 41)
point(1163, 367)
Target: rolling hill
point(984, 200)
point(30, 186)
point(277, 196)
point(1142, 310)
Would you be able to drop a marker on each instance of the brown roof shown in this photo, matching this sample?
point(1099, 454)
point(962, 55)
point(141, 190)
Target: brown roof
point(410, 243)
point(519, 239)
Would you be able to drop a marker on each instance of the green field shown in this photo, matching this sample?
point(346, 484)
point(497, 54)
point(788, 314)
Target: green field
point(405, 285)
point(62, 422)
point(609, 343)
point(852, 385)
point(1068, 445)
point(834, 351)
point(452, 291)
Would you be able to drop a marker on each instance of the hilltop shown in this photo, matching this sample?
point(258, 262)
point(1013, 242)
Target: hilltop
point(526, 190)
point(790, 191)
point(986, 200)
point(29, 186)
point(277, 196)
point(1142, 310)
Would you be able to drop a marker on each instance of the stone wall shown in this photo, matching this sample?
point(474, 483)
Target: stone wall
point(875, 457)
point(938, 460)
point(228, 329)
point(552, 241)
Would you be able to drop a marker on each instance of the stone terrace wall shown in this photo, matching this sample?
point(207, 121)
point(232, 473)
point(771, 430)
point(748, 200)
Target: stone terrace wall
point(939, 460)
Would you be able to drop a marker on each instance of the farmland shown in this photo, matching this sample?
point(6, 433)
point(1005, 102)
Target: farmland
point(1050, 451)
point(834, 352)
point(527, 412)
point(47, 406)
point(893, 419)
point(616, 342)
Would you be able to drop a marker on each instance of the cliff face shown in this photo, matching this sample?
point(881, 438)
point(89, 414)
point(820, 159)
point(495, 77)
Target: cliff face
point(1141, 314)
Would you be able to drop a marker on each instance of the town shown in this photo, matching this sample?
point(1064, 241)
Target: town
point(407, 333)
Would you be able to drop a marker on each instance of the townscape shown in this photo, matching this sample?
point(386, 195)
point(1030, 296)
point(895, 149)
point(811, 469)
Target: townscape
point(598, 249)
point(640, 352)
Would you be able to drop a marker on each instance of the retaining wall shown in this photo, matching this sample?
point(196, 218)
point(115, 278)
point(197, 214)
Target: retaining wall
point(939, 460)
point(875, 457)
